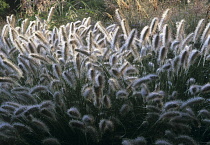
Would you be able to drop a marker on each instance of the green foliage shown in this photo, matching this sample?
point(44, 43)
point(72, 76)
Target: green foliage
point(65, 11)
point(3, 7)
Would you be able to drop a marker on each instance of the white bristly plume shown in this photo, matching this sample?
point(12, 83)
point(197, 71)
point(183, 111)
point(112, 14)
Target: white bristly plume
point(52, 9)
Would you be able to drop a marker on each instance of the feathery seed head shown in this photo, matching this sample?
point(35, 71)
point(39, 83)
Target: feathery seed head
point(176, 63)
point(144, 79)
point(192, 56)
point(208, 57)
point(115, 72)
point(130, 71)
point(125, 109)
point(97, 102)
point(187, 40)
point(38, 88)
point(166, 37)
point(121, 94)
point(113, 60)
point(50, 141)
point(14, 104)
point(125, 28)
point(106, 126)
point(204, 113)
point(198, 30)
point(205, 33)
point(68, 78)
point(57, 70)
point(88, 119)
point(92, 133)
point(99, 79)
point(153, 26)
point(184, 56)
point(162, 142)
point(74, 113)
point(57, 98)
point(47, 104)
point(171, 105)
point(22, 128)
point(7, 131)
point(190, 81)
point(194, 89)
point(127, 142)
point(154, 95)
point(155, 41)
point(144, 34)
point(164, 17)
point(52, 9)
point(8, 108)
point(48, 113)
point(174, 44)
point(31, 109)
point(20, 110)
point(40, 125)
point(91, 74)
point(192, 101)
point(114, 84)
point(77, 124)
point(169, 114)
point(162, 54)
point(180, 33)
point(118, 15)
point(185, 139)
point(205, 88)
point(140, 140)
point(97, 91)
point(106, 101)
point(87, 93)
point(13, 66)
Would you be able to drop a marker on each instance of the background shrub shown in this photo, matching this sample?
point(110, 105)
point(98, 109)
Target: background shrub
point(3, 8)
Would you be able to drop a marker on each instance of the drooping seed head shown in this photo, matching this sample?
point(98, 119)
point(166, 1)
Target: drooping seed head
point(77, 124)
point(50, 141)
point(74, 113)
point(40, 125)
point(205, 88)
point(88, 119)
point(106, 126)
point(122, 94)
point(192, 101)
point(194, 89)
point(125, 109)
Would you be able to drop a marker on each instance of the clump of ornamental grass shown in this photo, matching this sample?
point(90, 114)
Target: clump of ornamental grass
point(84, 83)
